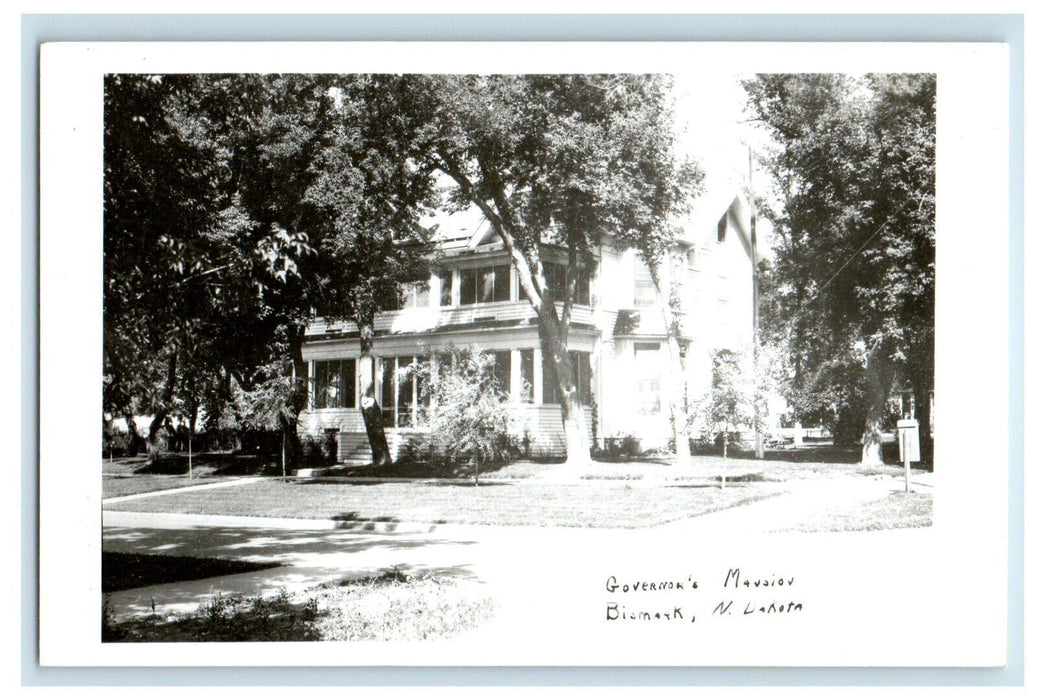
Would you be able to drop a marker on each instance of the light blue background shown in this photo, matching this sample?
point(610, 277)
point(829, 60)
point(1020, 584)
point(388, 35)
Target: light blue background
point(37, 29)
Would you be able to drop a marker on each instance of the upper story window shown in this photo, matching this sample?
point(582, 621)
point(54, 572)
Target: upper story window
point(557, 278)
point(414, 295)
point(446, 287)
point(645, 293)
point(486, 284)
point(694, 258)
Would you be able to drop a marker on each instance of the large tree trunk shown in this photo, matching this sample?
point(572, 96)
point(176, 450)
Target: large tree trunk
point(574, 418)
point(678, 395)
point(370, 409)
point(300, 395)
point(879, 374)
point(163, 410)
point(921, 371)
point(921, 387)
point(135, 441)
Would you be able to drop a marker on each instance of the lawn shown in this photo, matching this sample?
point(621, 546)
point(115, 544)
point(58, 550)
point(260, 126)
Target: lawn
point(895, 511)
point(588, 503)
point(113, 486)
point(126, 476)
point(392, 606)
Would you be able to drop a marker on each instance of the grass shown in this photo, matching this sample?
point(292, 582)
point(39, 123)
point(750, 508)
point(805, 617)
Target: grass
point(120, 571)
point(113, 486)
point(392, 606)
point(595, 503)
point(896, 511)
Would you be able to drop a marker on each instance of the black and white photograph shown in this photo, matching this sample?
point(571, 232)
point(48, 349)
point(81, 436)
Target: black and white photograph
point(600, 365)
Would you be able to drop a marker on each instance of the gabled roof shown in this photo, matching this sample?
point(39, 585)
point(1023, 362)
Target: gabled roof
point(457, 230)
point(469, 229)
point(701, 226)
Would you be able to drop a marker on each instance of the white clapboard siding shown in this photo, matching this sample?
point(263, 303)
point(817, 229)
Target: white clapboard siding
point(539, 430)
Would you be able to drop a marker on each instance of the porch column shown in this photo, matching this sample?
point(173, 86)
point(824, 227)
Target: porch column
point(515, 379)
point(538, 380)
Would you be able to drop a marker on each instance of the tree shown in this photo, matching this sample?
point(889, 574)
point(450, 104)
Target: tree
point(729, 403)
point(853, 163)
point(376, 186)
point(559, 161)
point(236, 206)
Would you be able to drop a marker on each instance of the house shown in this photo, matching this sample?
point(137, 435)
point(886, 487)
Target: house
point(617, 336)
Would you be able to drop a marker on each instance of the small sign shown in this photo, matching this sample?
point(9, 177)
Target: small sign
point(908, 440)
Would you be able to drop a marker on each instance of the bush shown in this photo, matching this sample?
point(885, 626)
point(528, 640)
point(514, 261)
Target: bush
point(469, 415)
point(621, 445)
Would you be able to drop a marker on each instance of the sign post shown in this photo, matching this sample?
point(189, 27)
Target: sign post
point(908, 443)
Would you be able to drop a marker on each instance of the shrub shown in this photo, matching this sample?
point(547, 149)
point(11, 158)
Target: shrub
point(469, 415)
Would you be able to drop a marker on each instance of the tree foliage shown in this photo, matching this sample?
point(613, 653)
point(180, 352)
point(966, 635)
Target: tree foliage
point(852, 286)
point(236, 205)
point(730, 404)
point(468, 417)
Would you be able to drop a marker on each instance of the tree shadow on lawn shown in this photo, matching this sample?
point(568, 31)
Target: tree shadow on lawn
point(826, 454)
point(121, 571)
point(209, 464)
point(256, 544)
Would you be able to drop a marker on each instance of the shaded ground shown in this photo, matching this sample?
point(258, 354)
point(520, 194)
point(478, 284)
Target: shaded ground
point(391, 606)
point(125, 476)
point(121, 571)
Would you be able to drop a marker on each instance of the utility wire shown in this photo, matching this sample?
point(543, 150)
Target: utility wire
point(854, 255)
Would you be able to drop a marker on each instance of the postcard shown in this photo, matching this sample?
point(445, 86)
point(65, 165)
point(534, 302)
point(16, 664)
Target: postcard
point(524, 354)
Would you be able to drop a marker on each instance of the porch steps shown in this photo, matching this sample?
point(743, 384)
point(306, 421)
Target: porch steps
point(354, 449)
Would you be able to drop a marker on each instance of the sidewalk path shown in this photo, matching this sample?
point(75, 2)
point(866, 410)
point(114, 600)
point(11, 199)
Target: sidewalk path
point(179, 489)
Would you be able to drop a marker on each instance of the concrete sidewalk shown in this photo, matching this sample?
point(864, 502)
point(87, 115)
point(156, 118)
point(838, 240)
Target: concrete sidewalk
point(181, 489)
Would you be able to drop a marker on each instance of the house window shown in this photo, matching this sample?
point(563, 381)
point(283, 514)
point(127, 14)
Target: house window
point(402, 394)
point(694, 261)
point(644, 287)
point(647, 376)
point(526, 374)
point(555, 276)
point(414, 295)
point(486, 284)
point(334, 384)
point(446, 288)
point(581, 363)
point(503, 371)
